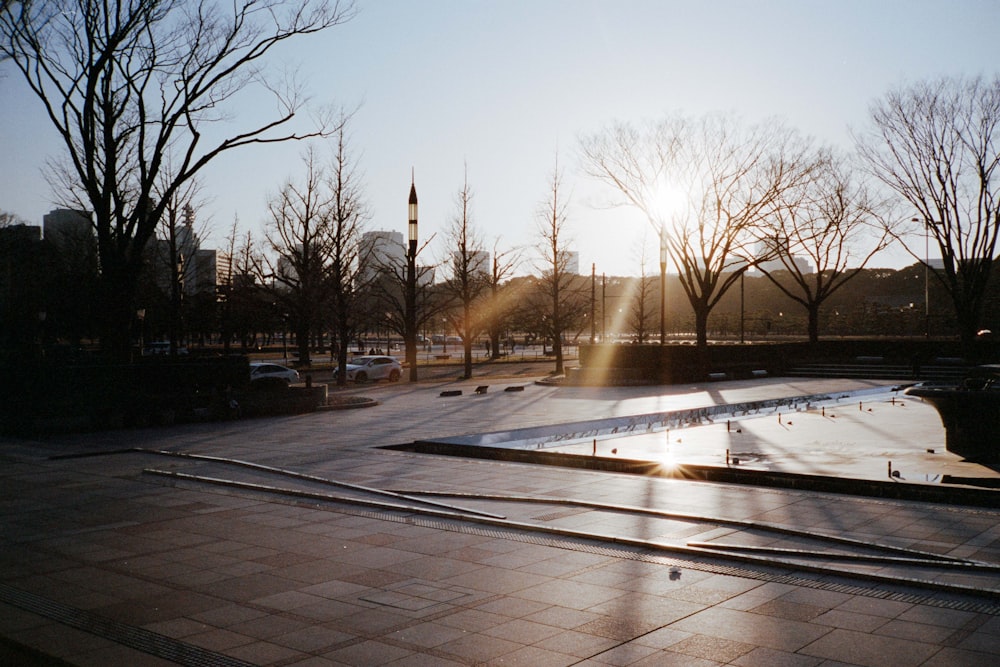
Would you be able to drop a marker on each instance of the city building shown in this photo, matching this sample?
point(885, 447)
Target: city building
point(479, 263)
point(197, 267)
point(68, 230)
point(380, 250)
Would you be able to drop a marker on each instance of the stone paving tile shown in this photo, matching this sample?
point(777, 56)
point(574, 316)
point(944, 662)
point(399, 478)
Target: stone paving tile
point(562, 617)
point(218, 640)
point(533, 656)
point(421, 660)
point(790, 610)
point(263, 653)
point(766, 657)
point(624, 654)
point(874, 607)
point(60, 641)
point(918, 632)
point(577, 596)
point(952, 657)
point(981, 641)
point(478, 648)
point(757, 629)
point(313, 639)
point(850, 621)
point(711, 648)
point(521, 631)
point(501, 581)
point(119, 655)
point(670, 659)
point(577, 644)
point(429, 634)
point(860, 648)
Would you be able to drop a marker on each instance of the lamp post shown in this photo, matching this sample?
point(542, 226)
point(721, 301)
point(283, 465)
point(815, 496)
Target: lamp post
point(663, 285)
point(742, 308)
point(927, 265)
point(410, 325)
point(140, 314)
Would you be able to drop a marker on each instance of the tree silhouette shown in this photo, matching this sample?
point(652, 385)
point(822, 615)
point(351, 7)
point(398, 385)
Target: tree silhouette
point(125, 83)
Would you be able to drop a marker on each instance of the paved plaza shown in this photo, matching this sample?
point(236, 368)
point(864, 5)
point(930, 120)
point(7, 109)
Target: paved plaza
point(303, 541)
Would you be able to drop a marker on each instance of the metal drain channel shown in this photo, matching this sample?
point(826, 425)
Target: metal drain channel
point(131, 636)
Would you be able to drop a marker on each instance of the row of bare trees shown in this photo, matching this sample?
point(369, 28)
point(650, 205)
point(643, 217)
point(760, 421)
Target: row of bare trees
point(725, 196)
point(140, 91)
point(137, 90)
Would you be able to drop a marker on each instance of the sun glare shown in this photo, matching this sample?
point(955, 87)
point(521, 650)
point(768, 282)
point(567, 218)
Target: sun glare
point(667, 201)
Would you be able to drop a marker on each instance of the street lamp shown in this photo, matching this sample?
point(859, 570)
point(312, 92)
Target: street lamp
point(663, 285)
point(140, 314)
point(927, 264)
point(410, 325)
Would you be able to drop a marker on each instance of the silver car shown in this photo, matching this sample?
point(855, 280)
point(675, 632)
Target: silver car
point(261, 370)
point(372, 367)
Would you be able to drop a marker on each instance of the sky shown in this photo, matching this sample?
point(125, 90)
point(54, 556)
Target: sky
point(498, 91)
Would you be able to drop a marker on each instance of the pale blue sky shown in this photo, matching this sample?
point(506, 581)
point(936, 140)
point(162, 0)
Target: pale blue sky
point(500, 85)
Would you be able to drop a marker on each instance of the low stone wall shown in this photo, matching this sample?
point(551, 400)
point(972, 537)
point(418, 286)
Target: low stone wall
point(611, 364)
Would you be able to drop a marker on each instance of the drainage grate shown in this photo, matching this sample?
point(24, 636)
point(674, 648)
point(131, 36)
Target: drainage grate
point(131, 636)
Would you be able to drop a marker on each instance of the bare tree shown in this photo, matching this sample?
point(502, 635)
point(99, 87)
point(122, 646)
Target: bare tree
point(300, 233)
point(246, 309)
point(824, 232)
point(8, 219)
point(384, 289)
point(348, 213)
point(560, 303)
point(124, 83)
point(469, 280)
point(639, 298)
point(501, 304)
point(724, 177)
point(176, 255)
point(935, 145)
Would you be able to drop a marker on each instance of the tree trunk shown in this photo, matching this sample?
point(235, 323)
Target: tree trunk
point(117, 289)
point(302, 342)
point(467, 353)
point(557, 348)
point(813, 310)
point(701, 325)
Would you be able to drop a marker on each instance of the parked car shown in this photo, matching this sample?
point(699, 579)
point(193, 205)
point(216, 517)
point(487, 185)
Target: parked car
point(261, 370)
point(159, 347)
point(372, 367)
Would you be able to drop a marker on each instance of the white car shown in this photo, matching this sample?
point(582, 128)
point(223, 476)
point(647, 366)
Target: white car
point(372, 367)
point(261, 370)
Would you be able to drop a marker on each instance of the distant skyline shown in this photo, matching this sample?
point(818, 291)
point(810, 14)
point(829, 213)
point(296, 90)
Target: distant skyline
point(498, 88)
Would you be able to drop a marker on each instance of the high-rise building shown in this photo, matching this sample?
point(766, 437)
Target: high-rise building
point(68, 229)
point(479, 263)
point(72, 235)
point(379, 251)
point(197, 267)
